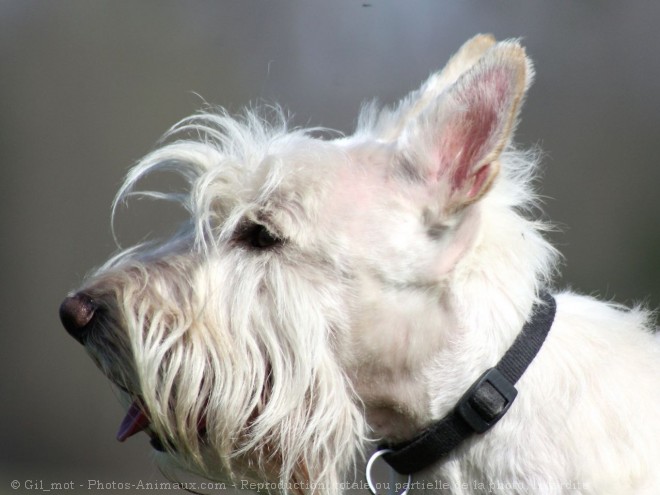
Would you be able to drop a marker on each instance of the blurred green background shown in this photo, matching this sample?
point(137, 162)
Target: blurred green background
point(87, 87)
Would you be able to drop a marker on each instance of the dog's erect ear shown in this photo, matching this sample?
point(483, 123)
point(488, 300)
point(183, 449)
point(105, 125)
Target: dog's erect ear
point(456, 140)
point(410, 106)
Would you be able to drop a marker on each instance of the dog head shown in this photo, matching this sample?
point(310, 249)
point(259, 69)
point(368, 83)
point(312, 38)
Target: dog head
point(312, 280)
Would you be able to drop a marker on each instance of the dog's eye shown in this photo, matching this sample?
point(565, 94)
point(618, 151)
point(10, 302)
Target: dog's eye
point(258, 236)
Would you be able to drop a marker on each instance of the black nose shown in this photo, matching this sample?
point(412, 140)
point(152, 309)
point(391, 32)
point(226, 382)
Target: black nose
point(76, 312)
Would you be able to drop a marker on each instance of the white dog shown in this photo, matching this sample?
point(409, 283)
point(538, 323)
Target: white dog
point(329, 292)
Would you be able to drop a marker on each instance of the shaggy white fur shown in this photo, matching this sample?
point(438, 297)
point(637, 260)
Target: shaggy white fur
point(329, 292)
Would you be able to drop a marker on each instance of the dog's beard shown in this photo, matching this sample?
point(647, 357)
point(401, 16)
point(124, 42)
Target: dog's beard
point(223, 399)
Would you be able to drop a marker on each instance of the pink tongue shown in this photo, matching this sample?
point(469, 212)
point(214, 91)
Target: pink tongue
point(134, 422)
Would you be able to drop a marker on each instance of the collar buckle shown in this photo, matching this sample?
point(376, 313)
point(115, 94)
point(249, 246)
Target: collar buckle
point(487, 400)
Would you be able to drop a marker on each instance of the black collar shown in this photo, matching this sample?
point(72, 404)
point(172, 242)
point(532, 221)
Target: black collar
point(484, 404)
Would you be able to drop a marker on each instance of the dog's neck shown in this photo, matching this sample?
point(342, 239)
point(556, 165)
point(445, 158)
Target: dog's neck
point(460, 330)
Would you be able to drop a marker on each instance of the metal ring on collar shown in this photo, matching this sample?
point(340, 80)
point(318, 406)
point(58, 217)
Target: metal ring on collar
point(370, 464)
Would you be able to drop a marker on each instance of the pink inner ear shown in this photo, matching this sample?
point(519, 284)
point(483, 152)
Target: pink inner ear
point(470, 143)
point(474, 129)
